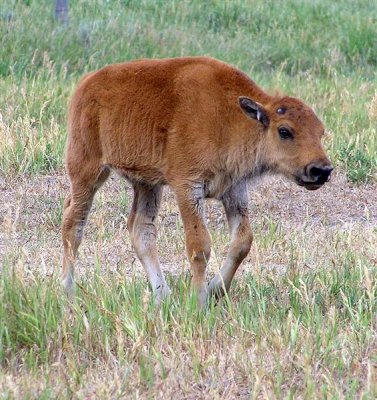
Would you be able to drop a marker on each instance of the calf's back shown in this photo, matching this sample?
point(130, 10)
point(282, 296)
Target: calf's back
point(161, 120)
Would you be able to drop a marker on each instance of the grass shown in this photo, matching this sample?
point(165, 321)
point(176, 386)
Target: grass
point(296, 48)
point(301, 320)
point(306, 333)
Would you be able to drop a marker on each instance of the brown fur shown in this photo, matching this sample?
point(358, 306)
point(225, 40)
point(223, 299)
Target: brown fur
point(179, 122)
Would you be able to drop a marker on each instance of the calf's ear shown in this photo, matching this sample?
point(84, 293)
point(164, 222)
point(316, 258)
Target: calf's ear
point(254, 110)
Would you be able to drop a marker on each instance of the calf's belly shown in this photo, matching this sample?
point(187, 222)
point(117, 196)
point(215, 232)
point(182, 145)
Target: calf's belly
point(147, 175)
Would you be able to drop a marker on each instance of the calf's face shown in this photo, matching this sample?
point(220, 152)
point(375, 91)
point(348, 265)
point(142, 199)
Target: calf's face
point(291, 142)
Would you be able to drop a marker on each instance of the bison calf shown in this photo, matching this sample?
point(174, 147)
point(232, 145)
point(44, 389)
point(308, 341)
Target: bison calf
point(198, 125)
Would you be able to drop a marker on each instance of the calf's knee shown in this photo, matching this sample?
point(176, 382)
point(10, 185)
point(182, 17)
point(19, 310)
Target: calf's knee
point(199, 252)
point(200, 255)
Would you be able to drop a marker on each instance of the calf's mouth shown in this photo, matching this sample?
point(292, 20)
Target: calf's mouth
point(308, 185)
point(314, 175)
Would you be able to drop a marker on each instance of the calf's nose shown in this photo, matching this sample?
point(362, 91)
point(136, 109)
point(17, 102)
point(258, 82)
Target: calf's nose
point(320, 173)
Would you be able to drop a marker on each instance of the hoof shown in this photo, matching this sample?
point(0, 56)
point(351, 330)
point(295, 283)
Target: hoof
point(161, 292)
point(216, 288)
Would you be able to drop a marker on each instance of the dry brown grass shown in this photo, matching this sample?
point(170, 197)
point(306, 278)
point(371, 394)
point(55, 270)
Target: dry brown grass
point(294, 229)
point(312, 220)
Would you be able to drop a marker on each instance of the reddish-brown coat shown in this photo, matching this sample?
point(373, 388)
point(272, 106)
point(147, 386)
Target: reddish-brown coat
point(179, 122)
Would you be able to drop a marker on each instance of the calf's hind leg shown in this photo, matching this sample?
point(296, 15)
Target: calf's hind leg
point(84, 185)
point(141, 224)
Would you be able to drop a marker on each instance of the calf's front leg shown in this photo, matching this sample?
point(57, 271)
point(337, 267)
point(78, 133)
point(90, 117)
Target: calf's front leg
point(190, 199)
point(235, 202)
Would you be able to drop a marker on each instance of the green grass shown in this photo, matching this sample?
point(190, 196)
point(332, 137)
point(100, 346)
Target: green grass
point(312, 333)
point(321, 51)
point(300, 321)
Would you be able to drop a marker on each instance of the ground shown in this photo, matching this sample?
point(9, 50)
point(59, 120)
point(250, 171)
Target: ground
point(301, 319)
point(32, 209)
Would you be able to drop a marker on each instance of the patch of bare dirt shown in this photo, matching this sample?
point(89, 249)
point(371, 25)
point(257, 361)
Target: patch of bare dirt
point(31, 214)
point(338, 204)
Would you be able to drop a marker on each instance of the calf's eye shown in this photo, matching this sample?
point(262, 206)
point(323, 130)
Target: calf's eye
point(285, 133)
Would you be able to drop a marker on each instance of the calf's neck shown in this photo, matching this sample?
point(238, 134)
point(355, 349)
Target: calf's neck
point(198, 125)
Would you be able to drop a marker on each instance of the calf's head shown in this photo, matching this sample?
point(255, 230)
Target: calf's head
point(291, 140)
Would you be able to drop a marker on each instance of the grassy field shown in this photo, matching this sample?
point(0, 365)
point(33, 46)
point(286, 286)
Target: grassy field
point(301, 320)
point(323, 52)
